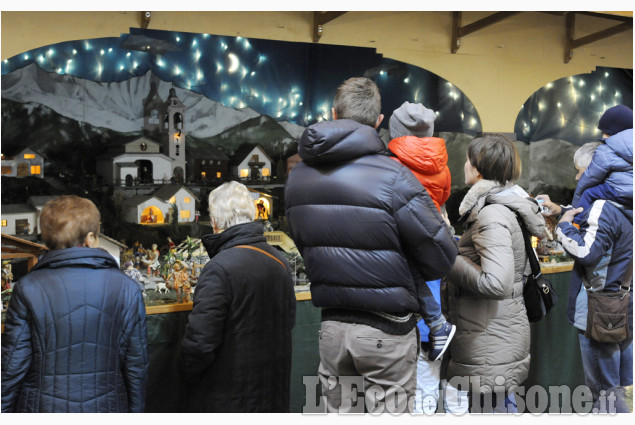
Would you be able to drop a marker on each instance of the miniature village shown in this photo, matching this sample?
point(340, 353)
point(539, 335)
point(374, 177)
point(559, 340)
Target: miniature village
point(153, 205)
point(149, 167)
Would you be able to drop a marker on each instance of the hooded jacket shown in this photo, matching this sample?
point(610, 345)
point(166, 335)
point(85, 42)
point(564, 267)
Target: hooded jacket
point(603, 251)
point(75, 337)
point(486, 286)
point(236, 352)
point(368, 233)
point(427, 158)
point(612, 163)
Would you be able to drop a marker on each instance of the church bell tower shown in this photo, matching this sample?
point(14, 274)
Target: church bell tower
point(174, 123)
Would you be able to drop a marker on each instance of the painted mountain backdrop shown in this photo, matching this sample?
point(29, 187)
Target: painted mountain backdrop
point(118, 106)
point(73, 120)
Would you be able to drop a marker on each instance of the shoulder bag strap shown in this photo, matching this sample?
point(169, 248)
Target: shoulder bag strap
point(263, 252)
point(531, 255)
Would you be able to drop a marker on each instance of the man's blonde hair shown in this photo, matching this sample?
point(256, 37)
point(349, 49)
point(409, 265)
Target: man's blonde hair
point(231, 204)
point(67, 220)
point(358, 99)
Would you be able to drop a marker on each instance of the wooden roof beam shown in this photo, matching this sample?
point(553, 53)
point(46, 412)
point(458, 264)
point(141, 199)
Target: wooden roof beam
point(320, 19)
point(572, 43)
point(607, 15)
point(145, 19)
point(458, 31)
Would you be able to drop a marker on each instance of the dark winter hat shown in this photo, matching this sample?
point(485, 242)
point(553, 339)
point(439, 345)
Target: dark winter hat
point(616, 119)
point(412, 119)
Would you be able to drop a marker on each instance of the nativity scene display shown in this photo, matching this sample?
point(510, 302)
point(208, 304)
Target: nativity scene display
point(148, 123)
point(169, 277)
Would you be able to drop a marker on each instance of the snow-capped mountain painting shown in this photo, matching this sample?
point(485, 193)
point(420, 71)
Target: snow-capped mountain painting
point(118, 106)
point(72, 120)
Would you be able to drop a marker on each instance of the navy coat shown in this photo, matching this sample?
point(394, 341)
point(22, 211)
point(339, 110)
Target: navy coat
point(368, 231)
point(236, 352)
point(75, 337)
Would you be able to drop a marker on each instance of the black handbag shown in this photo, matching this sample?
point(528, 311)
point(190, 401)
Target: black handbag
point(538, 292)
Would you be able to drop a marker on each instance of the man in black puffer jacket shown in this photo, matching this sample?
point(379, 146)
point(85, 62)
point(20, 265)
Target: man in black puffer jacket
point(370, 237)
point(75, 336)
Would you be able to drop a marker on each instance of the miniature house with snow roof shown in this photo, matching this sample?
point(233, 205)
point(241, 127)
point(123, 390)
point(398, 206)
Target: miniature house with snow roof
point(26, 163)
point(23, 219)
point(157, 208)
point(251, 163)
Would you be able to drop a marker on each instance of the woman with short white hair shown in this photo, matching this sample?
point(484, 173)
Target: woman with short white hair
point(229, 205)
point(237, 346)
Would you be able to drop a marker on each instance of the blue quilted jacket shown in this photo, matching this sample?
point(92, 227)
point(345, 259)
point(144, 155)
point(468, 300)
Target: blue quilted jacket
point(75, 337)
point(368, 231)
point(612, 163)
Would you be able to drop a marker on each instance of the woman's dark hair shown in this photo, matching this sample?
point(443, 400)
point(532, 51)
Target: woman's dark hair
point(495, 157)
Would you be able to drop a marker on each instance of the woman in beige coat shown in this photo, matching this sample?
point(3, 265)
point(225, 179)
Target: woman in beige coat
point(485, 285)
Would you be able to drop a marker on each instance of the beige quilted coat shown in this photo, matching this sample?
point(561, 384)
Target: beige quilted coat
point(485, 286)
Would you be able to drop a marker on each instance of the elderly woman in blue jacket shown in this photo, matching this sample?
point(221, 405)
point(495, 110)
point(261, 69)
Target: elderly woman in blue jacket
point(75, 333)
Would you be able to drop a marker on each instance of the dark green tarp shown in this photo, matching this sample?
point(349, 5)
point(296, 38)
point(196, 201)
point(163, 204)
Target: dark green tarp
point(555, 353)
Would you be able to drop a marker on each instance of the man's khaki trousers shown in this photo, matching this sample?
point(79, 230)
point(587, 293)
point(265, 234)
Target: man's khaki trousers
point(384, 364)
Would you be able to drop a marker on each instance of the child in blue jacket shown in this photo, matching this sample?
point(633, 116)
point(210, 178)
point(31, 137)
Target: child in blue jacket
point(610, 174)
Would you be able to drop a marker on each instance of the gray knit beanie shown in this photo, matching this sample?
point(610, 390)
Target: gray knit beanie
point(412, 119)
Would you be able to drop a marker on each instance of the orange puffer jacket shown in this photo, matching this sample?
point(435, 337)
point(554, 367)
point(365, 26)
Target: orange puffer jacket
point(427, 158)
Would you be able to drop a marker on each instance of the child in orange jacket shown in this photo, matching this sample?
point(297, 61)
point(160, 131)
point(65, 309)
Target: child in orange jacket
point(411, 127)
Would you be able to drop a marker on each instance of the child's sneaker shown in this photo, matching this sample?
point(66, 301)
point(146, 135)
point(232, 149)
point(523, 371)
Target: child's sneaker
point(440, 340)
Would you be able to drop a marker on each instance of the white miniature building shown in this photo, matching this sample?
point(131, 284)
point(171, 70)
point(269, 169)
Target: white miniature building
point(140, 162)
point(27, 163)
point(263, 203)
point(251, 162)
point(155, 208)
point(113, 247)
point(20, 218)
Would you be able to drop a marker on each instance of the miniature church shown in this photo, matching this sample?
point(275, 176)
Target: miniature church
point(141, 160)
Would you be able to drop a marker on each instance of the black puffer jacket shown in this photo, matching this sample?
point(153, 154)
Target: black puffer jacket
point(236, 352)
point(367, 230)
point(75, 337)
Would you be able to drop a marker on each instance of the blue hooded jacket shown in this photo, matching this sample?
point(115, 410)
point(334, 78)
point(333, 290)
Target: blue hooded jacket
point(603, 253)
point(75, 337)
point(612, 163)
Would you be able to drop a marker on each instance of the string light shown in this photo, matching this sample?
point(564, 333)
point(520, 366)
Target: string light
point(222, 77)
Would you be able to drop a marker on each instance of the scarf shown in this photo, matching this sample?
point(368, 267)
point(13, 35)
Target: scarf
point(479, 189)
